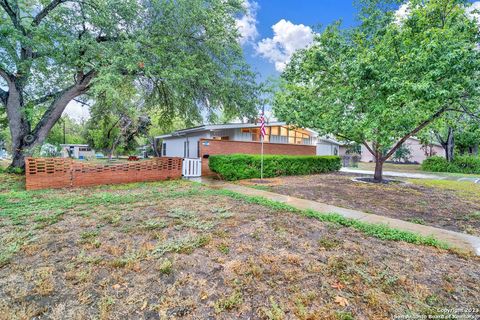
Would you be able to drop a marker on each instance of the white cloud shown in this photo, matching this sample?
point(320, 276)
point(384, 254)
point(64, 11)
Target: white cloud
point(247, 24)
point(77, 111)
point(473, 11)
point(402, 12)
point(287, 38)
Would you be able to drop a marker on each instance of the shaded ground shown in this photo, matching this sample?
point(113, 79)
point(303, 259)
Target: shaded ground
point(446, 204)
point(179, 250)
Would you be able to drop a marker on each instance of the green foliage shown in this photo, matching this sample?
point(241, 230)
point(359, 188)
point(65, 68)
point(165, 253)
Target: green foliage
point(228, 303)
point(384, 80)
point(181, 245)
point(243, 166)
point(181, 58)
point(402, 154)
point(74, 132)
point(460, 164)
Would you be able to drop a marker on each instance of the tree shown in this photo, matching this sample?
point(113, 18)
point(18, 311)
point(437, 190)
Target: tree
point(384, 81)
point(67, 130)
point(116, 129)
point(468, 136)
point(183, 54)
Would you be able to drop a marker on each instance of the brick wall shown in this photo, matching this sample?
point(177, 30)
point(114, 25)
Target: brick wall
point(43, 173)
point(211, 147)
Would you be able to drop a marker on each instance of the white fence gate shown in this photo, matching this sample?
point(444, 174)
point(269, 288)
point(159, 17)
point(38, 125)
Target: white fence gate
point(192, 167)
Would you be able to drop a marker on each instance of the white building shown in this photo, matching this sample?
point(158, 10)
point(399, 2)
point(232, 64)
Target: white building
point(77, 151)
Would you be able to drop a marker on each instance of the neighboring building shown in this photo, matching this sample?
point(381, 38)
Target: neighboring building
point(77, 151)
point(418, 151)
point(329, 147)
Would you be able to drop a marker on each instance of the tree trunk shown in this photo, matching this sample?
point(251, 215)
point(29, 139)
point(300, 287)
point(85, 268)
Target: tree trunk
point(378, 175)
point(449, 145)
point(475, 149)
point(19, 125)
point(23, 137)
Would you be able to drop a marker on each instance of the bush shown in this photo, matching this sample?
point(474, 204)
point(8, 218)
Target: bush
point(461, 164)
point(243, 166)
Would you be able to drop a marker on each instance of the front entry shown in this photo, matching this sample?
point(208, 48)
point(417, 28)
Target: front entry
point(192, 168)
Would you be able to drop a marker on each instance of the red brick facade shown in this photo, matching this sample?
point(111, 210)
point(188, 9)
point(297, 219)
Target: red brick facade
point(211, 147)
point(43, 173)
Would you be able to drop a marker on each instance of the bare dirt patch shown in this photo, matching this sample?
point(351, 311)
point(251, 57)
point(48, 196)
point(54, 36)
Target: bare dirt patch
point(177, 250)
point(424, 204)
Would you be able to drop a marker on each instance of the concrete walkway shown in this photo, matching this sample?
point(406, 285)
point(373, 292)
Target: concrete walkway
point(455, 239)
point(413, 175)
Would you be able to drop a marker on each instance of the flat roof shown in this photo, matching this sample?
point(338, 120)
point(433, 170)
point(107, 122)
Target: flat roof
point(211, 127)
point(74, 145)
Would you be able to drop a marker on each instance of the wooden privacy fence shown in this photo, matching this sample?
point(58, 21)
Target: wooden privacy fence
point(43, 173)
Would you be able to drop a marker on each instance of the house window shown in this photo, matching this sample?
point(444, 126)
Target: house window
point(245, 130)
point(255, 134)
point(164, 149)
point(84, 149)
point(275, 131)
point(186, 149)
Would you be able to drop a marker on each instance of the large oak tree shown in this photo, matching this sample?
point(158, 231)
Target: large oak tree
point(387, 79)
point(182, 55)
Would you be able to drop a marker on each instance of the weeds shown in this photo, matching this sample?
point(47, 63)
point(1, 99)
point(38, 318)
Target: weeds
point(275, 312)
point(222, 213)
point(229, 303)
point(328, 243)
point(181, 245)
point(223, 248)
point(166, 267)
point(154, 224)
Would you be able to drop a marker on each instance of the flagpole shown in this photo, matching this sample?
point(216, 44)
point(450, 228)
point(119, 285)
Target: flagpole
point(263, 139)
point(261, 165)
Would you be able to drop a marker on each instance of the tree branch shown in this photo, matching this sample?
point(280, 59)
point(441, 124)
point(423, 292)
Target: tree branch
point(46, 97)
point(45, 11)
point(13, 14)
point(56, 108)
point(414, 131)
point(369, 149)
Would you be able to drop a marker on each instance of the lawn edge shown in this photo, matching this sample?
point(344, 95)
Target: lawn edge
point(376, 230)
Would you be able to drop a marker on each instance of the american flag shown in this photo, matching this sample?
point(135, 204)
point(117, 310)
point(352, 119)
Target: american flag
point(263, 131)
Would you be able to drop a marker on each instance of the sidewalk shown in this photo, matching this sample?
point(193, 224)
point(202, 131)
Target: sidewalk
point(455, 239)
point(413, 175)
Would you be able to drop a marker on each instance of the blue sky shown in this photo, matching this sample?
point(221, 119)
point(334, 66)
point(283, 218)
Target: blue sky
point(310, 13)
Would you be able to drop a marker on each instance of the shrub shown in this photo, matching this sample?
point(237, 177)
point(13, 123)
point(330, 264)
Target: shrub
point(242, 166)
point(461, 164)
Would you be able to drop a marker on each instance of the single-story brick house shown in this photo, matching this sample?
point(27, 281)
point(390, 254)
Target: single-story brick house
point(203, 141)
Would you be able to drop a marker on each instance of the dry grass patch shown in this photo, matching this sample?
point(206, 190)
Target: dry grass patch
point(439, 203)
point(179, 250)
